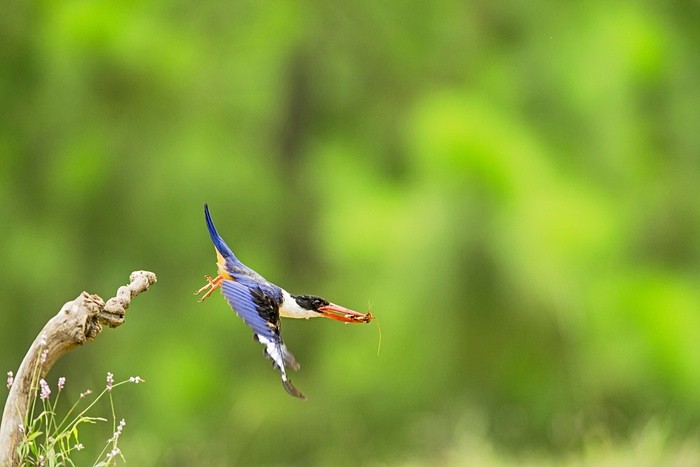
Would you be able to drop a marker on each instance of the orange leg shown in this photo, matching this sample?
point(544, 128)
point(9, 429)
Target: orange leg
point(212, 285)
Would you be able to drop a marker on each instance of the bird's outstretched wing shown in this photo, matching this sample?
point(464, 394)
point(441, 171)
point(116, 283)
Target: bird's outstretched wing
point(229, 265)
point(260, 312)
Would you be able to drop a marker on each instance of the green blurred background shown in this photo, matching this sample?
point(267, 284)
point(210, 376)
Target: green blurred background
point(511, 187)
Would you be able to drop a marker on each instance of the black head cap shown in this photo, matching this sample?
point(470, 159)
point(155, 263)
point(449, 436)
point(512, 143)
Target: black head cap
point(311, 302)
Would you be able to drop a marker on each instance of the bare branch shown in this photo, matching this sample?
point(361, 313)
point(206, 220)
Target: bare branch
point(78, 321)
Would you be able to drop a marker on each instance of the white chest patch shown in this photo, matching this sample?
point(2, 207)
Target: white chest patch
point(291, 309)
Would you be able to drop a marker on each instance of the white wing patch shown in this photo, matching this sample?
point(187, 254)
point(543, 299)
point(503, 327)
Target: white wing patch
point(273, 352)
point(279, 355)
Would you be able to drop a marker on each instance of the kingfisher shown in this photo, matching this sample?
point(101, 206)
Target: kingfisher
point(261, 303)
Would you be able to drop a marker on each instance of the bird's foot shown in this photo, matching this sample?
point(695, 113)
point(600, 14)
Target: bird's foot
point(210, 286)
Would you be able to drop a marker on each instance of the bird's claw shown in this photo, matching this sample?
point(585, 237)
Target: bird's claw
point(210, 286)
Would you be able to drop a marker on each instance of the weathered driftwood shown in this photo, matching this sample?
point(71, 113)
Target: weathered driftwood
point(78, 321)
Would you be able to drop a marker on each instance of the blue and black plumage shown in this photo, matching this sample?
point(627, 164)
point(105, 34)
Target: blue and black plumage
point(261, 303)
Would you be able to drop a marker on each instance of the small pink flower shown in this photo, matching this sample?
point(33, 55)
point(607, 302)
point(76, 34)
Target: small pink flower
point(85, 394)
point(10, 379)
point(113, 453)
point(78, 447)
point(45, 389)
point(110, 381)
point(61, 382)
point(136, 380)
point(42, 360)
point(118, 433)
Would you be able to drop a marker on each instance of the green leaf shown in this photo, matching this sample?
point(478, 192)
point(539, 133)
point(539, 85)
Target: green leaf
point(33, 436)
point(91, 420)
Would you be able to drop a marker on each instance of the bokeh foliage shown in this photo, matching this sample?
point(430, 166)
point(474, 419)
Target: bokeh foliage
point(513, 187)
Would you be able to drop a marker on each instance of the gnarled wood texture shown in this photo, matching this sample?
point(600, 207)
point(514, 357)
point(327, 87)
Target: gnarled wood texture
point(78, 321)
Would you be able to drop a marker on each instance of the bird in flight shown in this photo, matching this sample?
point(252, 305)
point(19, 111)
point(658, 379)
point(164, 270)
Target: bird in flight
point(260, 304)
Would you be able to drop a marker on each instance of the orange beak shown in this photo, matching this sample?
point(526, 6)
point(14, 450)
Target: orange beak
point(345, 315)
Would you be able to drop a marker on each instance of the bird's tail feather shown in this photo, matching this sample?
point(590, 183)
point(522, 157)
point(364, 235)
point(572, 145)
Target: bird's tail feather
point(289, 360)
point(289, 387)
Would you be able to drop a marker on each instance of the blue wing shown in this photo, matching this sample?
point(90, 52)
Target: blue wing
point(227, 260)
point(260, 311)
point(219, 243)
